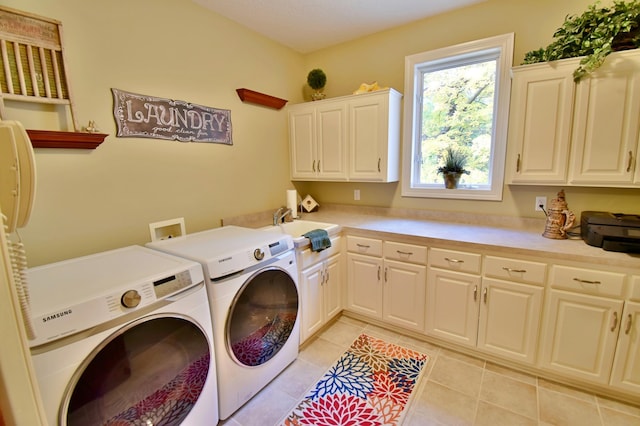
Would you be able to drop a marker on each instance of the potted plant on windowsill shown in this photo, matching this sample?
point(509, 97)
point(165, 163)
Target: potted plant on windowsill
point(453, 167)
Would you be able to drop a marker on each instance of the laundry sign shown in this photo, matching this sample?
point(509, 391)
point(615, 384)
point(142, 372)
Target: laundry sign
point(159, 118)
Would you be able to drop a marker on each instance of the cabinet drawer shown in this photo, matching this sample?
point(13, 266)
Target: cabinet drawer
point(370, 246)
point(522, 271)
point(635, 288)
point(405, 252)
point(590, 281)
point(455, 260)
point(308, 257)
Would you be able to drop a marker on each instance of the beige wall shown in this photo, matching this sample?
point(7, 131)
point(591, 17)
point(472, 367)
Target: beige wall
point(381, 57)
point(89, 201)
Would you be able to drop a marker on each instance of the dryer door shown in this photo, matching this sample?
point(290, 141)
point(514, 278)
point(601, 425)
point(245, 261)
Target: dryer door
point(150, 372)
point(261, 317)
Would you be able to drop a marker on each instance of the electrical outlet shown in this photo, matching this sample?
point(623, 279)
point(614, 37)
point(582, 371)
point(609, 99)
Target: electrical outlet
point(541, 201)
point(356, 194)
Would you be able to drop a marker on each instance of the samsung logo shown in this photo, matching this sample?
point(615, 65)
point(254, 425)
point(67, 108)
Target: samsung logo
point(225, 259)
point(57, 315)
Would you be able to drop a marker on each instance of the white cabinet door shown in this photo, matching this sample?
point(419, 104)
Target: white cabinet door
point(579, 335)
point(312, 295)
point(332, 287)
point(626, 365)
point(374, 136)
point(331, 159)
point(540, 122)
point(364, 290)
point(452, 308)
point(509, 319)
point(302, 139)
point(606, 124)
point(404, 294)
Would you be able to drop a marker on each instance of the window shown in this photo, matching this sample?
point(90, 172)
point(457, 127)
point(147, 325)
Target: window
point(457, 97)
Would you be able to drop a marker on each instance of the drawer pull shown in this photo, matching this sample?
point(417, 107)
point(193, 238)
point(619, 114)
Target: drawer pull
point(615, 321)
point(363, 245)
point(517, 271)
point(448, 259)
point(627, 329)
point(587, 281)
point(475, 293)
point(404, 253)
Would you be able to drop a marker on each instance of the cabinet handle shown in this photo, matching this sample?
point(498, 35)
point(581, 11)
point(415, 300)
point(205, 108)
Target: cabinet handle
point(475, 293)
point(448, 259)
point(318, 166)
point(518, 271)
point(406, 253)
point(587, 281)
point(615, 321)
point(627, 329)
point(313, 166)
point(321, 277)
point(379, 165)
point(518, 164)
point(484, 295)
point(630, 163)
point(378, 273)
point(326, 276)
point(385, 275)
point(362, 245)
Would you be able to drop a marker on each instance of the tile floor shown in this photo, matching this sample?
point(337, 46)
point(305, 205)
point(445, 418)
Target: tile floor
point(455, 390)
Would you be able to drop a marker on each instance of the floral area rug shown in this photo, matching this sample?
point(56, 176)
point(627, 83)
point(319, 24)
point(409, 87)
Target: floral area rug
point(369, 385)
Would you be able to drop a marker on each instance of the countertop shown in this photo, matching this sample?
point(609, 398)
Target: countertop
point(514, 239)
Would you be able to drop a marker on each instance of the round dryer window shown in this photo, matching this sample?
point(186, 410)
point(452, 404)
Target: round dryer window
point(150, 372)
point(262, 317)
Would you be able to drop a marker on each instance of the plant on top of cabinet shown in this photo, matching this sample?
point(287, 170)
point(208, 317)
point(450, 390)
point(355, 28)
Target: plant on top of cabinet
point(316, 79)
point(595, 34)
point(455, 161)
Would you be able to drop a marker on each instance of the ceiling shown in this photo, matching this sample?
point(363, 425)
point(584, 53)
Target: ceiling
point(309, 25)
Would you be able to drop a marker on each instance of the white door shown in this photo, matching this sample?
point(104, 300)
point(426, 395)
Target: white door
point(333, 287)
point(368, 124)
point(452, 306)
point(579, 335)
point(404, 294)
point(332, 141)
point(626, 366)
point(311, 290)
point(302, 140)
point(509, 319)
point(364, 291)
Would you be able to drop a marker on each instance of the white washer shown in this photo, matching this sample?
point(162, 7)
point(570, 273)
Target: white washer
point(253, 295)
point(123, 337)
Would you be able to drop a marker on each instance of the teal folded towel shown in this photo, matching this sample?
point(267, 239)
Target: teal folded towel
point(319, 239)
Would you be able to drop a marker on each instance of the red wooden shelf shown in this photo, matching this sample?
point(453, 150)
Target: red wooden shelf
point(247, 95)
point(71, 140)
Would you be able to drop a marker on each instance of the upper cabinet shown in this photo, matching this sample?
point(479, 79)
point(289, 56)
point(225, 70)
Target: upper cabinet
point(351, 138)
point(584, 134)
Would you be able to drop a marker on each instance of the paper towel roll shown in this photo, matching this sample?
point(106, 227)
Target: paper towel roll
point(292, 202)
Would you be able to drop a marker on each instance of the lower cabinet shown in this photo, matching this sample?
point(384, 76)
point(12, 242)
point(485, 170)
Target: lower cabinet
point(581, 324)
point(625, 374)
point(320, 289)
point(499, 316)
point(391, 289)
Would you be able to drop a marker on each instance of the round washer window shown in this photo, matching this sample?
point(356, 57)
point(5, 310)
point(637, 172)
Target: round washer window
point(262, 317)
point(150, 372)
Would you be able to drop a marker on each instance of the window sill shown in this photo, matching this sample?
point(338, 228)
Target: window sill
point(69, 140)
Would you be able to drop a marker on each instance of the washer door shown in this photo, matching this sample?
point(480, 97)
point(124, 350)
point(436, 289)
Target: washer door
point(261, 317)
point(150, 372)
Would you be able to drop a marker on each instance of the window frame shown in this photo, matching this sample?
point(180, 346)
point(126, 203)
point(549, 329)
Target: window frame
point(412, 114)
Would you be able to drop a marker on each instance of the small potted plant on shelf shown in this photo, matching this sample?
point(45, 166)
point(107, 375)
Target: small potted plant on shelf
point(316, 79)
point(454, 166)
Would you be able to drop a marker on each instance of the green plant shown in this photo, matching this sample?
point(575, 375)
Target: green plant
point(454, 161)
point(595, 34)
point(316, 79)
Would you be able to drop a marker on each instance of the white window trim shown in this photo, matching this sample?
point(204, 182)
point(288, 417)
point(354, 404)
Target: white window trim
point(412, 104)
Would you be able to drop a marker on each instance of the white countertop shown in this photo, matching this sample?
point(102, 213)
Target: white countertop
point(486, 237)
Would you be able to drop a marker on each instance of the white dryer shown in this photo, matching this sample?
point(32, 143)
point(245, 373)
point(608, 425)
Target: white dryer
point(123, 337)
point(253, 295)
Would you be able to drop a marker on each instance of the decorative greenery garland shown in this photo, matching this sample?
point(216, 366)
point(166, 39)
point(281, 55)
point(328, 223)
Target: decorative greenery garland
point(594, 34)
